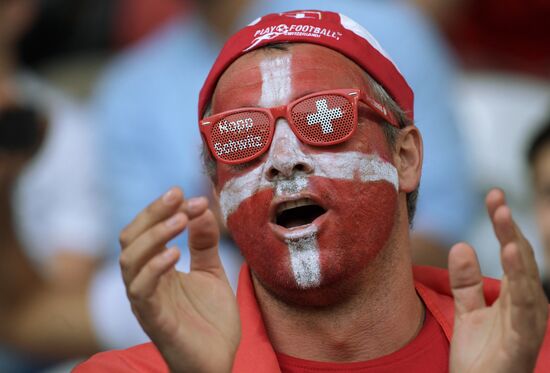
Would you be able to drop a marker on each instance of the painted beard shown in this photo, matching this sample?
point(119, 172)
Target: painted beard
point(306, 236)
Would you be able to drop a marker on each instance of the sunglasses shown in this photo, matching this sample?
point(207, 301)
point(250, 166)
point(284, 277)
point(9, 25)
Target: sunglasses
point(319, 119)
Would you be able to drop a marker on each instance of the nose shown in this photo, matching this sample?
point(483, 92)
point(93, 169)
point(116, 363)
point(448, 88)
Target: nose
point(285, 155)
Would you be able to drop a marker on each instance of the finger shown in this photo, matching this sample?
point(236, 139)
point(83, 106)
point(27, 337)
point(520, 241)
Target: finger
point(146, 282)
point(157, 211)
point(500, 215)
point(508, 232)
point(494, 199)
point(149, 244)
point(503, 225)
point(195, 207)
point(528, 303)
point(466, 280)
point(204, 236)
point(160, 209)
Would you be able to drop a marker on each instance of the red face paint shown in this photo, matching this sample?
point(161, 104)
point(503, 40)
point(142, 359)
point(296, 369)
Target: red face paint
point(358, 213)
point(356, 226)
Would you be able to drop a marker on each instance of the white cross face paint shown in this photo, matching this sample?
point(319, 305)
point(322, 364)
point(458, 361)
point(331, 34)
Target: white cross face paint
point(304, 259)
point(343, 166)
point(276, 80)
point(291, 186)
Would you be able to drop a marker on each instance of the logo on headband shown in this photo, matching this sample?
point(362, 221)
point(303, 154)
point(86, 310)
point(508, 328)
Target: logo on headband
point(304, 14)
point(310, 31)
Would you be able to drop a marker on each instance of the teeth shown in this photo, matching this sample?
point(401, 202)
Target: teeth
point(293, 204)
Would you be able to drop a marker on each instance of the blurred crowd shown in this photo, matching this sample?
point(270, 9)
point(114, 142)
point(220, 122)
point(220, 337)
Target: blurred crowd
point(98, 117)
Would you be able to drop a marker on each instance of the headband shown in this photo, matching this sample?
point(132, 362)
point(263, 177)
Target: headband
point(332, 30)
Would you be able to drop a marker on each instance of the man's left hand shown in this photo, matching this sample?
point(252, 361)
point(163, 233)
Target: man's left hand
point(506, 336)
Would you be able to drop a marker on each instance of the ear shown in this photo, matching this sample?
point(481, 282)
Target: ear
point(408, 158)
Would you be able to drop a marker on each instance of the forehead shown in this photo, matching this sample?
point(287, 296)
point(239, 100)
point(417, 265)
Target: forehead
point(306, 67)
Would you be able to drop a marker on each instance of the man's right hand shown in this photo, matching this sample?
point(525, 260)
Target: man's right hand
point(191, 317)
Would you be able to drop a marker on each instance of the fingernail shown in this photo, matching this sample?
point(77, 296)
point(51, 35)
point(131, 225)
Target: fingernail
point(169, 197)
point(194, 204)
point(168, 254)
point(175, 220)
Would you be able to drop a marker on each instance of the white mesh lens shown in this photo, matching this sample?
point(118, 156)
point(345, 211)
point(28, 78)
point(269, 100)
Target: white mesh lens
point(240, 136)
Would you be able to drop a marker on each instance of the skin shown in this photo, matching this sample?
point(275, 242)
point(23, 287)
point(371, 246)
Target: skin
point(174, 308)
point(541, 182)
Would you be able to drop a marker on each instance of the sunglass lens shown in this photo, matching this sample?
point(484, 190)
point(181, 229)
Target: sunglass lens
point(239, 137)
point(324, 120)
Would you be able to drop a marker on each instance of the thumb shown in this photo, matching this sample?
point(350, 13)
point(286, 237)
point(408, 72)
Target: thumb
point(204, 236)
point(466, 280)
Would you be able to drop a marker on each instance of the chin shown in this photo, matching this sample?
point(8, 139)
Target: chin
point(320, 261)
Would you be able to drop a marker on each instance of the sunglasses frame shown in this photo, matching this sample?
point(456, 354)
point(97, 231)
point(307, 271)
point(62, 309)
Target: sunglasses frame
point(284, 111)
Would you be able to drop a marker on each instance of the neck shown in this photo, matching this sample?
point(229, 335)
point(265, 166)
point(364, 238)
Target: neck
point(382, 317)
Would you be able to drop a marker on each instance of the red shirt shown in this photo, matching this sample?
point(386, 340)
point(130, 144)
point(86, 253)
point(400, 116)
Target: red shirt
point(255, 353)
point(427, 353)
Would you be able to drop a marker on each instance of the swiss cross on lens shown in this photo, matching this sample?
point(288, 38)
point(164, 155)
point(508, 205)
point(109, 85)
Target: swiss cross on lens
point(324, 116)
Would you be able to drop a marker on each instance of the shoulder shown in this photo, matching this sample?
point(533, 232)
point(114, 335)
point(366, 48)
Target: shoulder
point(141, 358)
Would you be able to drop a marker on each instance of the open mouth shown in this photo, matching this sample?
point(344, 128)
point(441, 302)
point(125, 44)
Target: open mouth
point(297, 213)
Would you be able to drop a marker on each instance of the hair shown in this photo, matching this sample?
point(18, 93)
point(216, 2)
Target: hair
point(539, 141)
point(391, 132)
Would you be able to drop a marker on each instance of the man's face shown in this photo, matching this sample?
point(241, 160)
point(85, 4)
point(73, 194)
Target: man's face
point(306, 218)
point(541, 169)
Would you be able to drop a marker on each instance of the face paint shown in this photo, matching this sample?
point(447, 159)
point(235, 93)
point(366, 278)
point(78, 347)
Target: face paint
point(358, 192)
point(277, 85)
point(304, 258)
point(352, 185)
point(344, 166)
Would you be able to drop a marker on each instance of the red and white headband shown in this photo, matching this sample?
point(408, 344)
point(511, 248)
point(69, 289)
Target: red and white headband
point(329, 29)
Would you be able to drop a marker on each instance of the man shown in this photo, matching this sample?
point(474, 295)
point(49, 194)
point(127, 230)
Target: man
point(150, 90)
point(538, 157)
point(316, 162)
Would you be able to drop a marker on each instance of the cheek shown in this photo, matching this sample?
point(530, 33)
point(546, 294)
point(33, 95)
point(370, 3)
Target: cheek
point(368, 139)
point(361, 222)
point(223, 175)
point(226, 173)
point(267, 256)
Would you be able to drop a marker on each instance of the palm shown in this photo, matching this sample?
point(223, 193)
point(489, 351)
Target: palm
point(478, 337)
point(191, 307)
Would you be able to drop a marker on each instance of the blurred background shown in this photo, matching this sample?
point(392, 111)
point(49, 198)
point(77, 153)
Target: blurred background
point(97, 118)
